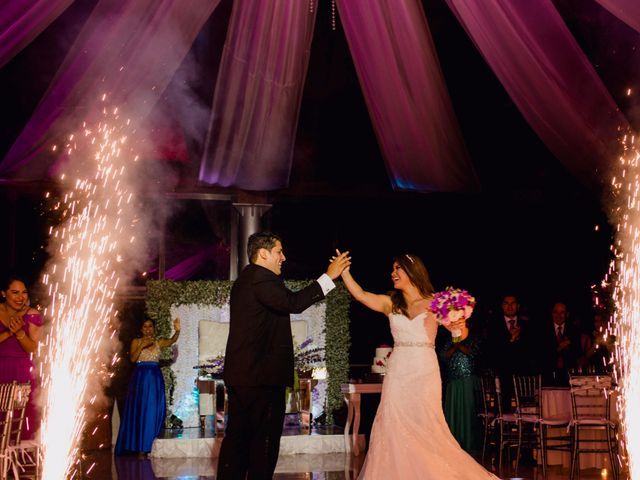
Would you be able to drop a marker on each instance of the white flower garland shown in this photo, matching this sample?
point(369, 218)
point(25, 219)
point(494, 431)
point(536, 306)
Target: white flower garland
point(185, 395)
point(315, 317)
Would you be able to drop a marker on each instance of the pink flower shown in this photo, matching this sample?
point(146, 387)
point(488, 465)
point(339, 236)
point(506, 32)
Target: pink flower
point(450, 305)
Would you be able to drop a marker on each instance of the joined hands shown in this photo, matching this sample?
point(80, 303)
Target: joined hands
point(339, 263)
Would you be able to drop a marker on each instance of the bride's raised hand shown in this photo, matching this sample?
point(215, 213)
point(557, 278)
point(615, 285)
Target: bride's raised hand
point(338, 264)
point(338, 254)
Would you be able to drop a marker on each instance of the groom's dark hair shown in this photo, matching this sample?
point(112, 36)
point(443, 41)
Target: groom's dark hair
point(260, 240)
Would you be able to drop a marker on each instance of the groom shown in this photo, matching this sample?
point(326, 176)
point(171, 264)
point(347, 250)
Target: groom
point(259, 357)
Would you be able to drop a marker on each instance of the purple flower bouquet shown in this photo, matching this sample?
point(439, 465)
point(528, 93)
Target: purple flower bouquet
point(450, 305)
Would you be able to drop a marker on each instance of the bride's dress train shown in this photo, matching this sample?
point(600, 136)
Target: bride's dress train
point(410, 438)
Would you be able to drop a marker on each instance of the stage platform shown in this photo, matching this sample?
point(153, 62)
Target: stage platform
point(203, 443)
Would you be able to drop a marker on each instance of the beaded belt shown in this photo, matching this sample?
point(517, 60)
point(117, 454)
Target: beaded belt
point(414, 344)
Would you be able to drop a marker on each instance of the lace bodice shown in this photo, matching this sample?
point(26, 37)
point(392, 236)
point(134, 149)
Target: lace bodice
point(421, 328)
point(151, 354)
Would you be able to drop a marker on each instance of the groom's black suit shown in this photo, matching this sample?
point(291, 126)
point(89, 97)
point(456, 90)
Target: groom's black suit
point(258, 367)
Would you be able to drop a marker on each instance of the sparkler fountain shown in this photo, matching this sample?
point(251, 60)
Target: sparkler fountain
point(626, 319)
point(92, 250)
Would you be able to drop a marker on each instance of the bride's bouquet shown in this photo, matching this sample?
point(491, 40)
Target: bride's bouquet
point(450, 305)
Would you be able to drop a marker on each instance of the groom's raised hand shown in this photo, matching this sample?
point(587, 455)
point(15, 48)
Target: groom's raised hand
point(338, 264)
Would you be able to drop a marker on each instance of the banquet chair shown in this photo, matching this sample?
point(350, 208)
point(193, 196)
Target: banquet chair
point(489, 412)
point(508, 427)
point(535, 423)
point(23, 454)
point(591, 411)
point(6, 416)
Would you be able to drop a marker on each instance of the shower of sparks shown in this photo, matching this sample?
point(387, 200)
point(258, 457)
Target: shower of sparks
point(625, 271)
point(88, 249)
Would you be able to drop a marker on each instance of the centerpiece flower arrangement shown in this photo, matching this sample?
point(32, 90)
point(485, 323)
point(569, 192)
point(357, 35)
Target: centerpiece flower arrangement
point(213, 366)
point(306, 356)
point(450, 305)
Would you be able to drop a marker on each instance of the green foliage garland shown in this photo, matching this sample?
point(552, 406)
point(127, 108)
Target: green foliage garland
point(162, 294)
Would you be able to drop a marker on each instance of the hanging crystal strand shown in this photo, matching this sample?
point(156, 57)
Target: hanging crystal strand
point(311, 6)
point(333, 15)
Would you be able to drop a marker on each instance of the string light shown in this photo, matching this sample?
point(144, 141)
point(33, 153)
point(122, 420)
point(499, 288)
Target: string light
point(333, 15)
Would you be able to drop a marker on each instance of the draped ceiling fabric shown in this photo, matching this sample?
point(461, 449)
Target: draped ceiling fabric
point(626, 10)
point(406, 95)
point(258, 94)
point(129, 50)
point(132, 49)
point(549, 78)
point(21, 22)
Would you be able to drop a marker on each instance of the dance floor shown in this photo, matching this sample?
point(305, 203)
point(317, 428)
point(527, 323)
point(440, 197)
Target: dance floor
point(101, 465)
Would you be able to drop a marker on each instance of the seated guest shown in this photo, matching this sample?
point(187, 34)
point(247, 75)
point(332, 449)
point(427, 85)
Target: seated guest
point(598, 346)
point(560, 346)
point(19, 334)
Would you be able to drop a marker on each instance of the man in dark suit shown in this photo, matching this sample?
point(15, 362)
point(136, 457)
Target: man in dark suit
point(560, 346)
point(507, 347)
point(510, 344)
point(259, 357)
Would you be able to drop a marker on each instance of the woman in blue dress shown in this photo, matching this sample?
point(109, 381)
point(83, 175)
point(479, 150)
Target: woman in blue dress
point(144, 408)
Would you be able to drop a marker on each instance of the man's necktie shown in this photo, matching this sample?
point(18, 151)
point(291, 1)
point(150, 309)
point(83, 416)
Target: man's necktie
point(560, 363)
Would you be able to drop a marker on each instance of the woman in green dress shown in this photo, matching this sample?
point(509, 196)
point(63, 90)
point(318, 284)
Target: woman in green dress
point(463, 391)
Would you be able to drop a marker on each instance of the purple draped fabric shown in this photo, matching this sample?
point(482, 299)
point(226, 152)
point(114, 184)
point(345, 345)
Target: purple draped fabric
point(129, 50)
point(406, 95)
point(626, 10)
point(258, 93)
point(22, 20)
point(185, 269)
point(549, 78)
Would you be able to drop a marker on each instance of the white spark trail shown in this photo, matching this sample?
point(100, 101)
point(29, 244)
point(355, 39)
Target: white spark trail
point(96, 227)
point(626, 318)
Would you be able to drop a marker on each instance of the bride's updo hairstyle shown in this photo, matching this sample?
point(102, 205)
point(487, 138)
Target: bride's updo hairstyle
point(418, 275)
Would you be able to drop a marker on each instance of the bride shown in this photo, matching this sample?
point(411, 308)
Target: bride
point(410, 438)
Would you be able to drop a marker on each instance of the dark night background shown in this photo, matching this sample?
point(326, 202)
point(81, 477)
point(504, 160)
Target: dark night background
point(530, 230)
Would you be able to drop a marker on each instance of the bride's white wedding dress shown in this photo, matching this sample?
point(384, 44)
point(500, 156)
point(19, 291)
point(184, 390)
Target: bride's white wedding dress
point(410, 438)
